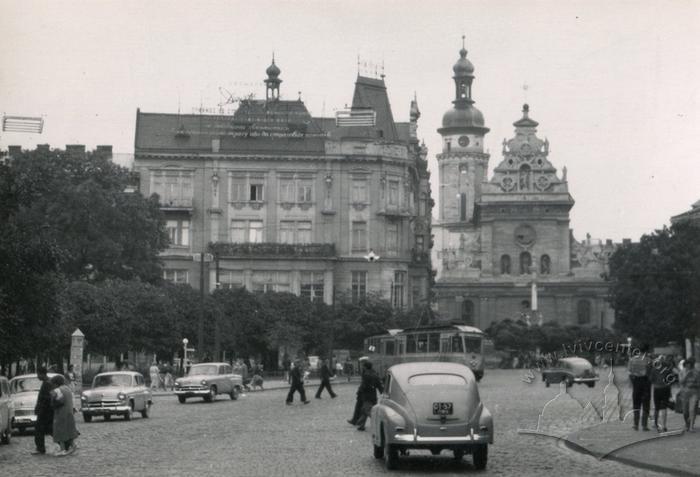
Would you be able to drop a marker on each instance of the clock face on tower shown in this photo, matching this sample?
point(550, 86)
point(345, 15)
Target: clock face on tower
point(525, 235)
point(463, 141)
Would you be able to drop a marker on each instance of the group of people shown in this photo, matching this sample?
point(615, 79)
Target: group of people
point(296, 378)
point(54, 411)
point(161, 376)
point(659, 375)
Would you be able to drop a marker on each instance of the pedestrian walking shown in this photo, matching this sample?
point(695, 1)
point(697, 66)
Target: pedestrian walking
point(358, 398)
point(43, 411)
point(325, 380)
point(64, 430)
point(662, 377)
point(690, 391)
point(155, 375)
point(161, 375)
point(70, 377)
point(639, 368)
point(338, 369)
point(297, 384)
point(368, 393)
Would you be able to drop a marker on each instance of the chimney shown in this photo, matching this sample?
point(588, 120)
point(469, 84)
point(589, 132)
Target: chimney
point(14, 151)
point(626, 241)
point(75, 151)
point(608, 243)
point(104, 151)
point(43, 147)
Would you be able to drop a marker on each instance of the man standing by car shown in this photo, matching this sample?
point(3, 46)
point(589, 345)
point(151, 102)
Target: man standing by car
point(297, 384)
point(325, 380)
point(43, 411)
point(368, 393)
point(639, 367)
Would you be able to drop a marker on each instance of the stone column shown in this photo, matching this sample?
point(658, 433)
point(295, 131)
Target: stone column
point(76, 358)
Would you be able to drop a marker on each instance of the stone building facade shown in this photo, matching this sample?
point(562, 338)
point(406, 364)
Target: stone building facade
point(273, 199)
point(503, 247)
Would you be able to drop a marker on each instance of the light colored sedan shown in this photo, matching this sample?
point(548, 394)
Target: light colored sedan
point(118, 393)
point(24, 391)
point(206, 380)
point(433, 406)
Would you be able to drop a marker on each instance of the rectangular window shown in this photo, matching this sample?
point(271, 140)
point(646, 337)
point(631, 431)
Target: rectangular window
point(394, 193)
point(359, 286)
point(457, 346)
point(433, 342)
point(359, 190)
point(312, 285)
point(392, 238)
point(286, 190)
point(398, 288)
point(256, 192)
point(411, 344)
point(178, 232)
point(287, 231)
point(305, 191)
point(472, 345)
point(389, 348)
point(174, 187)
point(255, 231)
point(175, 276)
point(238, 189)
point(422, 343)
point(271, 281)
point(231, 279)
point(359, 236)
point(304, 232)
point(238, 231)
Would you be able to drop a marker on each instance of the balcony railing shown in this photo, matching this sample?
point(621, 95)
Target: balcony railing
point(272, 249)
point(176, 204)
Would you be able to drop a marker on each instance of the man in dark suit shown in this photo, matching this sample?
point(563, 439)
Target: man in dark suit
point(368, 393)
point(325, 380)
point(297, 384)
point(43, 411)
point(358, 400)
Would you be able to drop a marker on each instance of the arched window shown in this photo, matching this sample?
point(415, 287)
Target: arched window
point(545, 265)
point(468, 312)
point(525, 263)
point(583, 311)
point(505, 265)
point(524, 177)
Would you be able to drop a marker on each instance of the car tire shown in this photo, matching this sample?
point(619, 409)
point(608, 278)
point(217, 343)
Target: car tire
point(6, 436)
point(182, 399)
point(234, 393)
point(391, 455)
point(107, 417)
point(146, 411)
point(378, 451)
point(480, 455)
point(87, 417)
point(211, 396)
point(459, 454)
point(127, 415)
point(591, 385)
point(435, 451)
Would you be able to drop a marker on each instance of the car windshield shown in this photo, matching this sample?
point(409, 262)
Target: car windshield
point(112, 380)
point(25, 384)
point(208, 369)
point(437, 379)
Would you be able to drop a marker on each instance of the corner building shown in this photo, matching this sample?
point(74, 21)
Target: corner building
point(273, 199)
point(503, 247)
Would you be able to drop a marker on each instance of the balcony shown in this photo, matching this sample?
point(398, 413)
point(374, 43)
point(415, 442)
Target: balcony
point(177, 205)
point(272, 249)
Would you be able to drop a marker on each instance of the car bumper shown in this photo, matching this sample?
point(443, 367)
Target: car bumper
point(470, 439)
point(21, 422)
point(191, 392)
point(586, 380)
point(106, 409)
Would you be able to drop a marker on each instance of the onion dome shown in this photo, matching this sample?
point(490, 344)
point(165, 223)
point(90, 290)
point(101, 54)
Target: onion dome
point(468, 117)
point(463, 67)
point(273, 71)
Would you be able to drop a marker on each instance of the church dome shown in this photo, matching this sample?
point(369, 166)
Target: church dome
point(463, 118)
point(463, 67)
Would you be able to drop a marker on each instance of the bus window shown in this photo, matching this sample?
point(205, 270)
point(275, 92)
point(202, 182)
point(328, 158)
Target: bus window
point(433, 342)
point(411, 344)
point(422, 343)
point(389, 348)
point(472, 345)
point(457, 344)
point(444, 345)
point(401, 346)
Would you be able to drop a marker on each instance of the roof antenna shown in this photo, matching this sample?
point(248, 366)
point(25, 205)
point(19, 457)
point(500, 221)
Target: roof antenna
point(358, 64)
point(463, 37)
point(383, 75)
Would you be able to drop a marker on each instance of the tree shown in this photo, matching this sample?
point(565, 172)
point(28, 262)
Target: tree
point(655, 285)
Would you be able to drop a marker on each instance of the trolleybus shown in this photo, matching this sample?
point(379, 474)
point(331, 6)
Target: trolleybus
point(449, 342)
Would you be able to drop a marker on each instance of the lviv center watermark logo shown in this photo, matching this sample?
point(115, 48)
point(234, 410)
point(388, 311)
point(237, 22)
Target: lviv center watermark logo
point(595, 418)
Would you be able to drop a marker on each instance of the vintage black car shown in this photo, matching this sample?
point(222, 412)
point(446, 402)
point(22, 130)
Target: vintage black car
point(570, 370)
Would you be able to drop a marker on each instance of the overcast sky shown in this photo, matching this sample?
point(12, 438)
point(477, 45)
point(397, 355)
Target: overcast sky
point(614, 85)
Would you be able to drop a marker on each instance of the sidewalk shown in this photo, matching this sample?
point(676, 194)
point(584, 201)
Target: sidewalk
point(281, 384)
point(675, 452)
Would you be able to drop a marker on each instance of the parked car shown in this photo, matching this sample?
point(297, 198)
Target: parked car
point(25, 391)
point(7, 411)
point(570, 370)
point(120, 393)
point(206, 380)
point(434, 406)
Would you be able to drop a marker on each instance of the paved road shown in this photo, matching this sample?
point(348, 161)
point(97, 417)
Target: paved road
point(259, 436)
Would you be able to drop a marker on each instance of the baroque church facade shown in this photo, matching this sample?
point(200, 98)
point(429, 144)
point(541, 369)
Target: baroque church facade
point(503, 248)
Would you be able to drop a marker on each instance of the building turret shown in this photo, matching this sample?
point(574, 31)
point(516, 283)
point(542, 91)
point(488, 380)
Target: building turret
point(272, 82)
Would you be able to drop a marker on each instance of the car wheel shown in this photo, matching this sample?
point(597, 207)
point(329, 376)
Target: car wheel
point(182, 399)
point(391, 455)
point(107, 417)
point(591, 385)
point(7, 436)
point(146, 411)
point(481, 456)
point(211, 396)
point(459, 453)
point(87, 417)
point(234, 393)
point(435, 451)
point(127, 416)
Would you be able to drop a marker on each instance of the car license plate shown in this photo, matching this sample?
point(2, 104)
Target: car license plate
point(442, 408)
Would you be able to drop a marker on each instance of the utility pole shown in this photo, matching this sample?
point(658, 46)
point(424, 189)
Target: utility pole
point(200, 324)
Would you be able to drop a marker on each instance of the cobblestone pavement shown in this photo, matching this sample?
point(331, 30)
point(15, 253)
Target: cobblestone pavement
point(259, 436)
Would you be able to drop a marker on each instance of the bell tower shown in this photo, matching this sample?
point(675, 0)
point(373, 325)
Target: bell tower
point(462, 163)
point(272, 83)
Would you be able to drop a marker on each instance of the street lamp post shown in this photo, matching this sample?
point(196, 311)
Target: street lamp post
point(184, 354)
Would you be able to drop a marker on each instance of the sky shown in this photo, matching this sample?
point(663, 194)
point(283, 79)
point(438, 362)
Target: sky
point(614, 85)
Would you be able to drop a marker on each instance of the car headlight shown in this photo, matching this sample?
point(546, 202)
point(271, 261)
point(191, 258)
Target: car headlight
point(204, 382)
point(177, 383)
point(83, 397)
point(121, 396)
